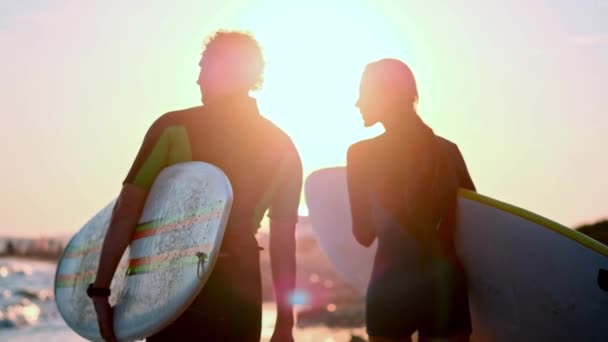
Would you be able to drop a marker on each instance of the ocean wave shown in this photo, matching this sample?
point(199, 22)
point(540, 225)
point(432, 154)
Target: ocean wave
point(11, 270)
point(22, 314)
point(34, 294)
point(26, 295)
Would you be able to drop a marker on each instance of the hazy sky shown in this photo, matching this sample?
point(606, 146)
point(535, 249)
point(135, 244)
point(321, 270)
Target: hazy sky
point(519, 85)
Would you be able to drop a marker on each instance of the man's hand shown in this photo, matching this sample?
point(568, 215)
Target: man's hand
point(283, 263)
point(283, 332)
point(124, 219)
point(105, 318)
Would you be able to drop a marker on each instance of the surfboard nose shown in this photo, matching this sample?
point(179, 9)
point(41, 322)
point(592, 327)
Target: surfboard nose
point(602, 279)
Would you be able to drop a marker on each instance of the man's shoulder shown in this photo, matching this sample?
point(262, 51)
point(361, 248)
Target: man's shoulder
point(176, 117)
point(179, 116)
point(276, 134)
point(187, 111)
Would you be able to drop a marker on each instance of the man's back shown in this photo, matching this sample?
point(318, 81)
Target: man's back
point(266, 173)
point(259, 159)
point(264, 169)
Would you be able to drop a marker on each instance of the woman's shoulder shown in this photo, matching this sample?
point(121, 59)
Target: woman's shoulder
point(362, 153)
point(364, 146)
point(447, 143)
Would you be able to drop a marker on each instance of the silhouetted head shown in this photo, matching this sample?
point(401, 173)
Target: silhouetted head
point(388, 89)
point(231, 63)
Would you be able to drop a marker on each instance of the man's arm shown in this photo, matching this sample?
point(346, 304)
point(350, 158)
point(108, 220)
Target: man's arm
point(123, 222)
point(124, 219)
point(283, 263)
point(151, 158)
point(283, 218)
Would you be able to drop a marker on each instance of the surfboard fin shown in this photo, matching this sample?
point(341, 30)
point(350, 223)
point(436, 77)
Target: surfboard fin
point(202, 257)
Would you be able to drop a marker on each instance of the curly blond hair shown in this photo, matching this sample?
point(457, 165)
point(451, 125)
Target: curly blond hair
point(240, 52)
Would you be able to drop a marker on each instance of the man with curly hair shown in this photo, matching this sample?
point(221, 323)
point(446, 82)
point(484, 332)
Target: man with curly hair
point(265, 171)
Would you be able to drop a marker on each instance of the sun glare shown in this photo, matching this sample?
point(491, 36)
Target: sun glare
point(314, 59)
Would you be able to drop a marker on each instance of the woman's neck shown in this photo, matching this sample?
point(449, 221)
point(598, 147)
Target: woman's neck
point(403, 122)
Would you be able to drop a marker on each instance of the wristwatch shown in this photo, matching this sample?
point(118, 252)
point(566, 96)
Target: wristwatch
point(93, 291)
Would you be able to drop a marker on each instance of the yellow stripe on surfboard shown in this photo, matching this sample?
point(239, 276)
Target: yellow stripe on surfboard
point(530, 216)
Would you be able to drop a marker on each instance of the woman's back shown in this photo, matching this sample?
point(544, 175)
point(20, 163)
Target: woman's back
point(398, 172)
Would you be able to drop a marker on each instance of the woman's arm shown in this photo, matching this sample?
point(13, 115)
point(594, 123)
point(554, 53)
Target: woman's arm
point(363, 228)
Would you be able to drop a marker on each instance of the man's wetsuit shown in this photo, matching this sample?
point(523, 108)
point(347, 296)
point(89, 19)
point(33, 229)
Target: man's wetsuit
point(414, 285)
point(265, 171)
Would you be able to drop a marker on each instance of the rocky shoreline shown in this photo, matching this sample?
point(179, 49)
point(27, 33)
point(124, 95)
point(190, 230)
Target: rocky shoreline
point(32, 248)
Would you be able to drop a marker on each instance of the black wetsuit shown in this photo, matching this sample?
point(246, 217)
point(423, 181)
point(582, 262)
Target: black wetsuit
point(265, 171)
point(416, 284)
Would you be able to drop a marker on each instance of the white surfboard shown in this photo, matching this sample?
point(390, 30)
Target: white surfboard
point(173, 251)
point(530, 279)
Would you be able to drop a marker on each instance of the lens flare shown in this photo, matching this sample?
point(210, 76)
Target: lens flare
point(299, 297)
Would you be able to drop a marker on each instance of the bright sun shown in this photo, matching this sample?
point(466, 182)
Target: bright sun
point(314, 59)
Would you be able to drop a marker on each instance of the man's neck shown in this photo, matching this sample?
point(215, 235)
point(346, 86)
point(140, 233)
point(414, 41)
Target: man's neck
point(212, 99)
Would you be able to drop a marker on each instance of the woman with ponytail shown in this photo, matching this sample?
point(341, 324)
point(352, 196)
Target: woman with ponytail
point(403, 186)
